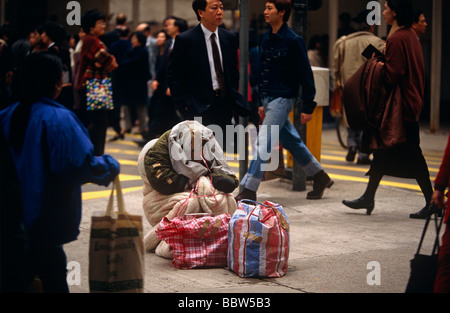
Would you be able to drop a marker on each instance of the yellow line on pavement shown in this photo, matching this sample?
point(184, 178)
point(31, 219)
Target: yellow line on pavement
point(383, 182)
point(332, 158)
point(346, 168)
point(120, 151)
point(124, 177)
point(92, 195)
point(128, 162)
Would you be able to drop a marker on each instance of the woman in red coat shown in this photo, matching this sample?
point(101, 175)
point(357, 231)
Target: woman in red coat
point(404, 69)
point(442, 182)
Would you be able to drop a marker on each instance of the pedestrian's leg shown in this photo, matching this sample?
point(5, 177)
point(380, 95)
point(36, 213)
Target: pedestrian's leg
point(291, 140)
point(142, 117)
point(97, 130)
point(372, 186)
point(367, 200)
point(424, 182)
point(276, 112)
point(52, 269)
point(352, 144)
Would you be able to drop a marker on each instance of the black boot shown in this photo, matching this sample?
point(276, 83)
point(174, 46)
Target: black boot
point(321, 181)
point(246, 194)
point(424, 213)
point(361, 203)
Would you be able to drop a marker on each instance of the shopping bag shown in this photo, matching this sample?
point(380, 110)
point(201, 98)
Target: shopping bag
point(424, 267)
point(258, 240)
point(99, 94)
point(336, 106)
point(116, 251)
point(197, 240)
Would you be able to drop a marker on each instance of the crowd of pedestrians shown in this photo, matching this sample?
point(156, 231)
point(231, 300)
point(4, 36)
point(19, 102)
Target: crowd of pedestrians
point(178, 73)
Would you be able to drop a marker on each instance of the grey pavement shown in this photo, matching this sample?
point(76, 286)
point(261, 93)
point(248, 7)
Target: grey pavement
point(332, 248)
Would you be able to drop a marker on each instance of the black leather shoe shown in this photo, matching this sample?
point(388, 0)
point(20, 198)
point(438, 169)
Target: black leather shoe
point(246, 194)
point(351, 154)
point(424, 213)
point(361, 203)
point(321, 182)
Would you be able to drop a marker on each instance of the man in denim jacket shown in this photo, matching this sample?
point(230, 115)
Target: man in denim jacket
point(284, 69)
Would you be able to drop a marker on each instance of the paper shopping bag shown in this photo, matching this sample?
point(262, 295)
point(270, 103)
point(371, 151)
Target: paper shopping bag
point(116, 252)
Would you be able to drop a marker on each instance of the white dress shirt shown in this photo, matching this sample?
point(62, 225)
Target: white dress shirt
point(208, 34)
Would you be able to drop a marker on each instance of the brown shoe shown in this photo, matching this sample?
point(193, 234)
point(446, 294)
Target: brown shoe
point(246, 194)
point(321, 181)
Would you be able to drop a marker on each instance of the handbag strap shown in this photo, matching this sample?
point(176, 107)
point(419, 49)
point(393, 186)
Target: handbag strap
point(119, 195)
point(438, 226)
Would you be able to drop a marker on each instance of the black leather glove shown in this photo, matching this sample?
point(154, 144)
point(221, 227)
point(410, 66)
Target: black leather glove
point(224, 184)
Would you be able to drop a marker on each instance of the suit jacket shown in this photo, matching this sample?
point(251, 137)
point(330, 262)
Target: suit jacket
point(189, 74)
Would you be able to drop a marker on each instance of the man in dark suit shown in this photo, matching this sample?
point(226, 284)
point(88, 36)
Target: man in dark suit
point(203, 74)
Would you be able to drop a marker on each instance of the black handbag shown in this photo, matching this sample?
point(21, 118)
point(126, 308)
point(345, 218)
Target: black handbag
point(424, 267)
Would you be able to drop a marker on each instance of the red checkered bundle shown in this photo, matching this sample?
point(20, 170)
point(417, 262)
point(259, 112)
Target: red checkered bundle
point(197, 240)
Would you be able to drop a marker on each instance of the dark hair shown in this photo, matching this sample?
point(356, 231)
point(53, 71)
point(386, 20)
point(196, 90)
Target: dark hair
point(361, 20)
point(199, 5)
point(181, 24)
point(39, 74)
point(404, 11)
point(55, 32)
point(121, 19)
point(159, 32)
point(417, 15)
point(123, 32)
point(281, 5)
point(140, 37)
point(89, 19)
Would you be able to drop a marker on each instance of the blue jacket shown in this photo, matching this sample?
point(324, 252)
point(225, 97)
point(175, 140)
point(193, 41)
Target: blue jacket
point(56, 159)
point(285, 67)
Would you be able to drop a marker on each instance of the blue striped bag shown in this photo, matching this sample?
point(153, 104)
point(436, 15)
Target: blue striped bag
point(258, 240)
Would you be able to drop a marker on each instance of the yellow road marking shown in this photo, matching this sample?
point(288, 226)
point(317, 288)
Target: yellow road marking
point(120, 151)
point(128, 162)
point(383, 182)
point(92, 195)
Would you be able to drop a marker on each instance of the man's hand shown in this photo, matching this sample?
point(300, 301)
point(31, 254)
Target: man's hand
point(305, 118)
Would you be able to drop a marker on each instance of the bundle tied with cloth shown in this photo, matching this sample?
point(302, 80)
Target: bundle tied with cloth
point(184, 172)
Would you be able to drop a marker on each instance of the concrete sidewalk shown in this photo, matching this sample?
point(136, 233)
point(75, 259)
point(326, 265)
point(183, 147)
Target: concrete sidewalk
point(332, 248)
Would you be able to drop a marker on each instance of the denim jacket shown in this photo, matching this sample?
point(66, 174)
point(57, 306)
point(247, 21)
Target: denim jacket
point(285, 67)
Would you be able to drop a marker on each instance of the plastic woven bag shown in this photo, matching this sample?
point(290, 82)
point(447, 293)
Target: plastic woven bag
point(197, 240)
point(258, 240)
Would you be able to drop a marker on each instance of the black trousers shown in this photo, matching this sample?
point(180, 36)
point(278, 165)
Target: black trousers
point(98, 124)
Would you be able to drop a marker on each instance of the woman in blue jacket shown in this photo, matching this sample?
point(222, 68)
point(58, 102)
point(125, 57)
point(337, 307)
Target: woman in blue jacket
point(53, 156)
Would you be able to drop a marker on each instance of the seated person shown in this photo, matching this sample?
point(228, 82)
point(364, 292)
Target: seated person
point(182, 155)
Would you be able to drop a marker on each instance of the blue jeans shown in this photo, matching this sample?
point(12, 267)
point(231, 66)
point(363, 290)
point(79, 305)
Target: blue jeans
point(277, 114)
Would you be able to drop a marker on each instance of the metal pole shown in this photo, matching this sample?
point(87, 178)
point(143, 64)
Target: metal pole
point(299, 26)
point(243, 80)
point(436, 63)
